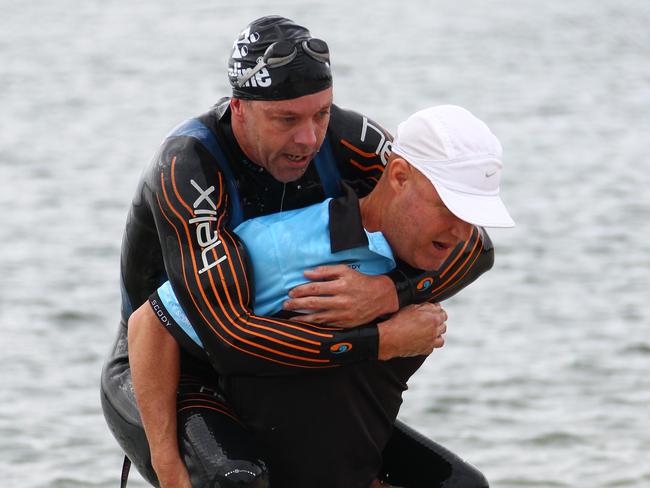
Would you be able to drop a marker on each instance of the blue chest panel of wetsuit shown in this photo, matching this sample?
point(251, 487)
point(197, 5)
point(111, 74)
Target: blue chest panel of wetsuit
point(281, 247)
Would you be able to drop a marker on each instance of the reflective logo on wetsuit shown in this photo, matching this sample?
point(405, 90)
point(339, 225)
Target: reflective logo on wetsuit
point(384, 145)
point(341, 347)
point(207, 238)
point(424, 284)
point(160, 313)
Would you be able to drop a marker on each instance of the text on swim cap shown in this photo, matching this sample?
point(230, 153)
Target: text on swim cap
point(262, 78)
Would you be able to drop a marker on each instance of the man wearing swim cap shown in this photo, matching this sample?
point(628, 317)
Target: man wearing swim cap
point(452, 169)
point(210, 174)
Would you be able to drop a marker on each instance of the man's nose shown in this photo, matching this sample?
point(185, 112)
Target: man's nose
point(306, 135)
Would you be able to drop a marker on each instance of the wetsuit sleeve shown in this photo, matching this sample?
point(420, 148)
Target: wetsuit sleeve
point(468, 260)
point(206, 268)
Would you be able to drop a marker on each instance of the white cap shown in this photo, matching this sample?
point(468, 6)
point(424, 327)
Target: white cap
point(461, 157)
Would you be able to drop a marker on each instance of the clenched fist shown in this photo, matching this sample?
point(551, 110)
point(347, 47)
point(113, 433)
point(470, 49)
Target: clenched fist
point(413, 331)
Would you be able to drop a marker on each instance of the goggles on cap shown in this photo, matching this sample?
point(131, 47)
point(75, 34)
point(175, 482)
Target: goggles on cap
point(281, 53)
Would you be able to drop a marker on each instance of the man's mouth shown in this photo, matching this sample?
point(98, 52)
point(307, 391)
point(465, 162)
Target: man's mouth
point(441, 246)
point(296, 158)
point(298, 161)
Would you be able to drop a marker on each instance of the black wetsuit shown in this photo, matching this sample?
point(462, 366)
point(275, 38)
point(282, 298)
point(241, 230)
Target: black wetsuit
point(179, 228)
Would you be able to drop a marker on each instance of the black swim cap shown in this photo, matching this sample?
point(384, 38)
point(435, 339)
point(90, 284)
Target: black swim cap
point(302, 62)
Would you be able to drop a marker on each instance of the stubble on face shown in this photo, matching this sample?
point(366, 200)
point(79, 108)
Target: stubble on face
point(420, 228)
point(283, 136)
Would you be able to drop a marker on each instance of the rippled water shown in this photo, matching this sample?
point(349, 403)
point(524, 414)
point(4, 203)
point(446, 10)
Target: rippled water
point(544, 380)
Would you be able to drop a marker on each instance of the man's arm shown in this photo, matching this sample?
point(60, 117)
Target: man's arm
point(468, 260)
point(347, 298)
point(154, 361)
point(343, 297)
point(413, 331)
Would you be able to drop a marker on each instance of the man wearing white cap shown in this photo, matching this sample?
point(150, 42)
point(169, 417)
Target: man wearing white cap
point(461, 158)
point(441, 181)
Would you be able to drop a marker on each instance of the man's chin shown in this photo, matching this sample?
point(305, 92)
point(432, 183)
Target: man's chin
point(431, 264)
point(289, 174)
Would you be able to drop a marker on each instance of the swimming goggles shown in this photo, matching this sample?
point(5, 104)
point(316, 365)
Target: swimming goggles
point(283, 52)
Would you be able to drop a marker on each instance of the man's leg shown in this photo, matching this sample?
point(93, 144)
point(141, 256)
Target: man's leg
point(323, 429)
point(413, 461)
point(215, 447)
point(213, 442)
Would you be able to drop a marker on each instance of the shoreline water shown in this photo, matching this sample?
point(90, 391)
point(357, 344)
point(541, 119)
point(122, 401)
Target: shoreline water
point(543, 381)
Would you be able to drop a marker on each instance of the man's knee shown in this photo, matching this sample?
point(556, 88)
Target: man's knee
point(218, 452)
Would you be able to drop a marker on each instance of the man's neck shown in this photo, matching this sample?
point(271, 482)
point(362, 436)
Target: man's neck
point(240, 138)
point(370, 211)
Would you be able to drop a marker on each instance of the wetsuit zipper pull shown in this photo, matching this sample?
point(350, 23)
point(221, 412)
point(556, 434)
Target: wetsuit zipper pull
point(284, 189)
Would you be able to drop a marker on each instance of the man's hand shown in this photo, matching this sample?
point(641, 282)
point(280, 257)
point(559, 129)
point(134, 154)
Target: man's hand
point(342, 297)
point(172, 473)
point(413, 331)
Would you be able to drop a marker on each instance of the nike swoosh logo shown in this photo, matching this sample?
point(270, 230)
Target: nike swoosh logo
point(488, 174)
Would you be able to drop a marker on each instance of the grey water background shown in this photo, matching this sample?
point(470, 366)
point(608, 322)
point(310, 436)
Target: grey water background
point(544, 379)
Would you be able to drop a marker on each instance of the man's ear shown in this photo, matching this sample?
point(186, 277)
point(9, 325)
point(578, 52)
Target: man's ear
point(399, 174)
point(237, 108)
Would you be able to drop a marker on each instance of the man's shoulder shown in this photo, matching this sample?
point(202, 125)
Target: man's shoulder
point(201, 125)
point(194, 138)
point(346, 120)
point(351, 131)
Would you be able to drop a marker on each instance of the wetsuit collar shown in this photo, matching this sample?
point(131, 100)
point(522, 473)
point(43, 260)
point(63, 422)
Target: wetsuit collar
point(345, 226)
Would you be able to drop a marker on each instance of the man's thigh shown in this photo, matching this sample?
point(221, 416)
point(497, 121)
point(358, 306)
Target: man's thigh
point(324, 429)
point(215, 447)
point(214, 444)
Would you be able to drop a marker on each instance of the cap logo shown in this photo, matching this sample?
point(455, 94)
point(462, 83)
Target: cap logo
point(261, 78)
point(491, 173)
point(240, 51)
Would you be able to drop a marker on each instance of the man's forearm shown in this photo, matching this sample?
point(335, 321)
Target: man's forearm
point(466, 262)
point(155, 364)
point(343, 297)
point(257, 344)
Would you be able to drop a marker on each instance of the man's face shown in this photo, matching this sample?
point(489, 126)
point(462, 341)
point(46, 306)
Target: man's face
point(419, 227)
point(283, 136)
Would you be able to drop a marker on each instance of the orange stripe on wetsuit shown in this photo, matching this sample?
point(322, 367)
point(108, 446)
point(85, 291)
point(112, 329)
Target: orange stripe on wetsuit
point(229, 319)
point(465, 266)
point(236, 282)
point(241, 304)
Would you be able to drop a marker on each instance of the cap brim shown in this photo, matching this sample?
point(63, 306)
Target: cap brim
point(481, 210)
